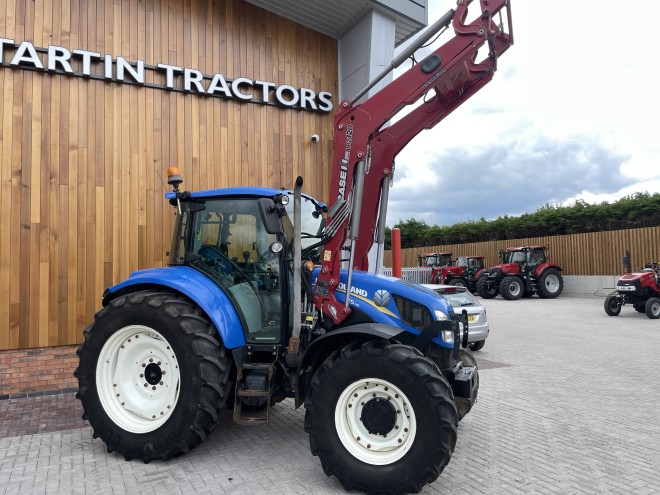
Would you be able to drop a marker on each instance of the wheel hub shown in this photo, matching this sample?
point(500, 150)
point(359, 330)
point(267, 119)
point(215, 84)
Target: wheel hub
point(378, 416)
point(153, 374)
point(375, 421)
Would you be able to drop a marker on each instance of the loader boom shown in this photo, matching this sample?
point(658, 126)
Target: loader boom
point(364, 151)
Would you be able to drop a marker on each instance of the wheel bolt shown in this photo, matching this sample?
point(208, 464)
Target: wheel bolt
point(141, 375)
point(151, 360)
point(144, 365)
point(160, 383)
point(146, 385)
point(153, 388)
point(158, 363)
point(350, 405)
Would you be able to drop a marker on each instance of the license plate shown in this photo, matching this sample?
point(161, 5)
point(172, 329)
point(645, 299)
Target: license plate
point(472, 318)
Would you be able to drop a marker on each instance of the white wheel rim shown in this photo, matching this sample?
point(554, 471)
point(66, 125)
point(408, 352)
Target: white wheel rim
point(514, 288)
point(655, 308)
point(138, 379)
point(552, 283)
point(375, 448)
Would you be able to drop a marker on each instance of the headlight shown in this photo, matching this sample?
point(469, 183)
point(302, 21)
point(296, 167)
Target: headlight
point(626, 288)
point(448, 336)
point(440, 316)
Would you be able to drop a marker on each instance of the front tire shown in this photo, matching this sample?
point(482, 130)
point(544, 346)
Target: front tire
point(652, 308)
point(612, 305)
point(511, 288)
point(485, 289)
point(381, 418)
point(477, 346)
point(458, 282)
point(550, 284)
point(153, 375)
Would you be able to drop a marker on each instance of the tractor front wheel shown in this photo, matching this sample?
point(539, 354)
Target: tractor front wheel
point(612, 305)
point(653, 308)
point(485, 288)
point(153, 375)
point(381, 418)
point(511, 288)
point(550, 284)
point(458, 282)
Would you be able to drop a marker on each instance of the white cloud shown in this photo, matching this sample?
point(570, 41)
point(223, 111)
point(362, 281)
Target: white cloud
point(573, 101)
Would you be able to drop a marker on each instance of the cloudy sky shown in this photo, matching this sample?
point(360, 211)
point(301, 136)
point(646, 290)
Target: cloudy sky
point(572, 112)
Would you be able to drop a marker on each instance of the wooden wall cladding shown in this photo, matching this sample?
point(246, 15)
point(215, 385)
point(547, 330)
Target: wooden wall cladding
point(597, 253)
point(83, 162)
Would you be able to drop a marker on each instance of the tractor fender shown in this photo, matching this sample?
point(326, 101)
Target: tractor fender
point(194, 285)
point(544, 266)
point(479, 273)
point(321, 348)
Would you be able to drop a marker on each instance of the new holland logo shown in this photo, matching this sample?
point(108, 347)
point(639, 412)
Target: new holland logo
point(382, 298)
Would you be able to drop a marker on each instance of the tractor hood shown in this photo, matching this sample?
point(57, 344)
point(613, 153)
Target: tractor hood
point(630, 278)
point(384, 298)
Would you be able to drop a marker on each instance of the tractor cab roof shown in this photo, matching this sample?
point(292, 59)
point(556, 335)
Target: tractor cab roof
point(523, 248)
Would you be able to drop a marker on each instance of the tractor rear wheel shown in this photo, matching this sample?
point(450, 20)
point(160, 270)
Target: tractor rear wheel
point(381, 418)
point(612, 305)
point(458, 282)
point(511, 288)
point(653, 308)
point(153, 375)
point(485, 289)
point(550, 284)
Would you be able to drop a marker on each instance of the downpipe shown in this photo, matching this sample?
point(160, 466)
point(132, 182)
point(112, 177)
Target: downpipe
point(293, 357)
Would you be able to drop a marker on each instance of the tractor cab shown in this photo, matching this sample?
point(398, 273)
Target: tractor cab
point(240, 238)
point(527, 257)
point(434, 259)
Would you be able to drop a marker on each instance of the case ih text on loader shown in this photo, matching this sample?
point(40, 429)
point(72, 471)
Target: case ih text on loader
point(640, 288)
point(238, 319)
point(523, 271)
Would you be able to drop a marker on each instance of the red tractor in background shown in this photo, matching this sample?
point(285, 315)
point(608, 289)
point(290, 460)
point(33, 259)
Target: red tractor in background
point(523, 271)
point(464, 272)
point(640, 288)
point(436, 261)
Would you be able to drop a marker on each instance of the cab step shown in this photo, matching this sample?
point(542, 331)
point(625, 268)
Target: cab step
point(253, 393)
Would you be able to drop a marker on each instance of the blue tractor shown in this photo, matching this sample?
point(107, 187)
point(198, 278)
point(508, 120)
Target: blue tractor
point(257, 306)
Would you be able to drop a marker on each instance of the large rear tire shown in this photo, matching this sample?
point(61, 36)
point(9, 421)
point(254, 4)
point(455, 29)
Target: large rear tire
point(485, 289)
point(550, 284)
point(652, 308)
point(511, 288)
point(612, 305)
point(381, 418)
point(153, 375)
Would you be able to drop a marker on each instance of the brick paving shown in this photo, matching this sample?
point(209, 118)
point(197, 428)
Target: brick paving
point(568, 404)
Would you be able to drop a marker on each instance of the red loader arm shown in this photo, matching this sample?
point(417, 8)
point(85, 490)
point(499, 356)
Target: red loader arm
point(363, 159)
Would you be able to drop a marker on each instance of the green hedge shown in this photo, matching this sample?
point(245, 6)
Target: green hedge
point(635, 211)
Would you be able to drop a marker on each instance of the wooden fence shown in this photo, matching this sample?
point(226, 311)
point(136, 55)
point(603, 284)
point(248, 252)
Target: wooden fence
point(597, 253)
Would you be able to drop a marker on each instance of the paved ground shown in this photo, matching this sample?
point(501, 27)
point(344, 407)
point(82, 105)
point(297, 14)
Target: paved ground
point(568, 404)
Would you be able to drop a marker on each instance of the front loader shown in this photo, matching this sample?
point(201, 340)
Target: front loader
point(255, 306)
